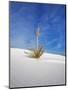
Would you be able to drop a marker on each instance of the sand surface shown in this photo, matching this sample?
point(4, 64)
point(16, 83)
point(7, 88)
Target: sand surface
point(26, 72)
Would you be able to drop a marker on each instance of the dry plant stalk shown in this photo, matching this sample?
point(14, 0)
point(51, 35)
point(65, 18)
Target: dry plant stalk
point(36, 53)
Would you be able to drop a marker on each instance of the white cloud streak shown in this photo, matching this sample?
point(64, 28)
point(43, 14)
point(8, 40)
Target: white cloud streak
point(51, 42)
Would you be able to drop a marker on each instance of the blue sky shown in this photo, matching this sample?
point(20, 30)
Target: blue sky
point(25, 19)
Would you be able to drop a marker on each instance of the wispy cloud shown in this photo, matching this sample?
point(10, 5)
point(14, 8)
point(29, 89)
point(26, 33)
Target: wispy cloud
point(58, 45)
point(51, 42)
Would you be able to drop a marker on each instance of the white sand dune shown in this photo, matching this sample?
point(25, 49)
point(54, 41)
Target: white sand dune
point(25, 71)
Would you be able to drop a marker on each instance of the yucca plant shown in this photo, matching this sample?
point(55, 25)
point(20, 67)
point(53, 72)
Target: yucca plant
point(36, 53)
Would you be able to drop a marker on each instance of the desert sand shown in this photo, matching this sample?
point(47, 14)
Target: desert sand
point(49, 69)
